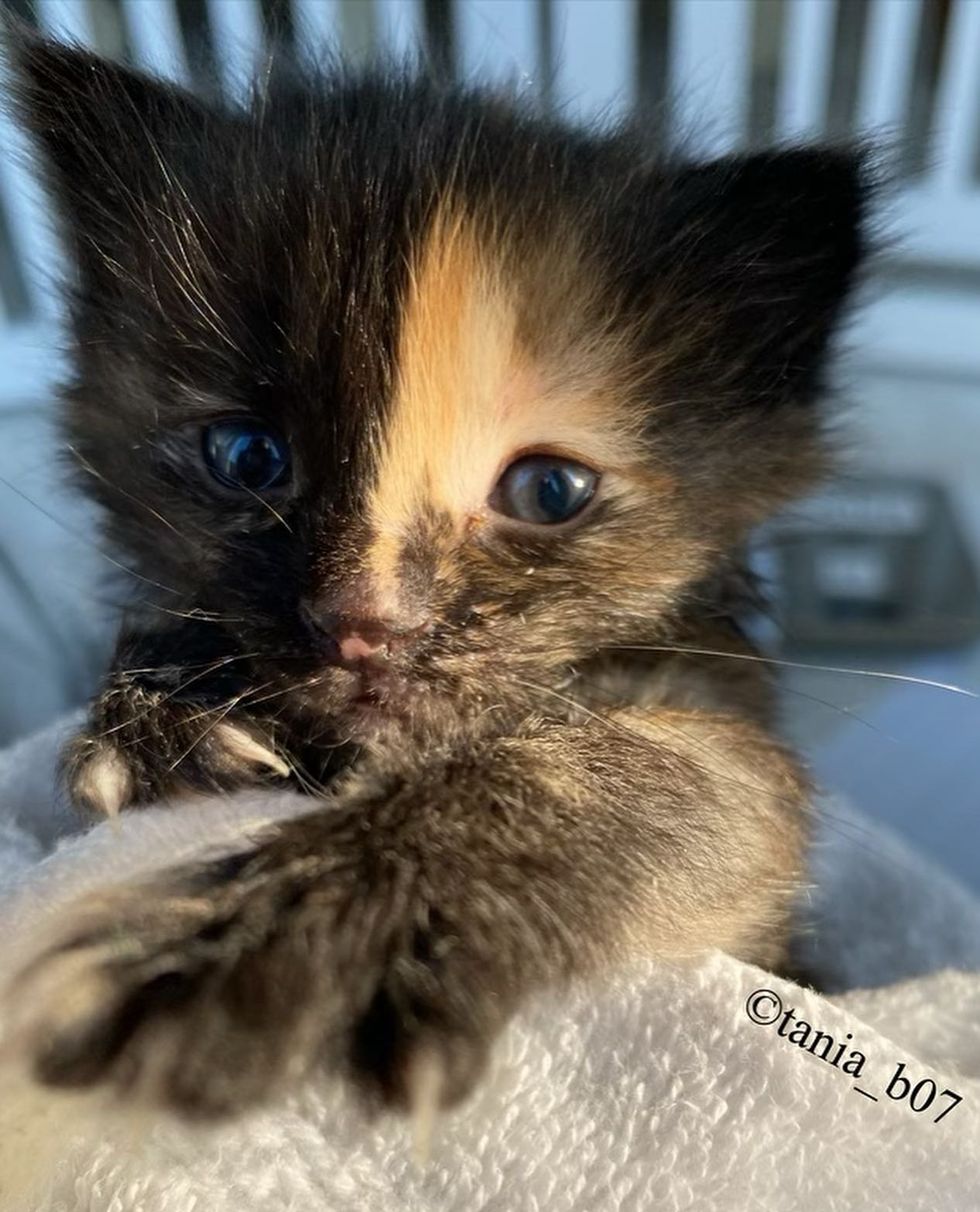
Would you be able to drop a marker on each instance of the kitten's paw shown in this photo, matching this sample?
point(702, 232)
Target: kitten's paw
point(159, 749)
point(222, 988)
point(160, 993)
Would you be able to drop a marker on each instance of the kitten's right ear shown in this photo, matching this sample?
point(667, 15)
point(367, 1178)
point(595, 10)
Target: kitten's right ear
point(112, 140)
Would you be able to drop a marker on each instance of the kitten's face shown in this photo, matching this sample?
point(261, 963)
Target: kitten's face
point(424, 399)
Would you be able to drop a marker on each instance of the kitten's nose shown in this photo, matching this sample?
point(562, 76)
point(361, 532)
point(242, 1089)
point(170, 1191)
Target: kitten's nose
point(351, 641)
point(359, 639)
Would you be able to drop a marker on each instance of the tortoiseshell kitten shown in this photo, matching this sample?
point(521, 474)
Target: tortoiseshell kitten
point(429, 426)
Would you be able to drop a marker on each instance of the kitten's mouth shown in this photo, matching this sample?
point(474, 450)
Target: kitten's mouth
point(380, 694)
point(373, 699)
point(379, 698)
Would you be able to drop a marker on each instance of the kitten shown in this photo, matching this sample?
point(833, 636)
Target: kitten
point(431, 430)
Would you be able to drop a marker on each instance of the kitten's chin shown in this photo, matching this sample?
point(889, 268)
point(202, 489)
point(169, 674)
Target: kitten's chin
point(369, 724)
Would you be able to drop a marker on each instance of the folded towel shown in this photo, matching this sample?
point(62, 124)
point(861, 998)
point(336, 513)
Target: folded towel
point(701, 1086)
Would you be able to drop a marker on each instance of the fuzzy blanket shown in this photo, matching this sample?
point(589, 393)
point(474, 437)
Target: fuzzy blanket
point(702, 1087)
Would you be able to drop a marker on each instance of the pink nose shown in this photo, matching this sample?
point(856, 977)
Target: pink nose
point(351, 641)
point(361, 640)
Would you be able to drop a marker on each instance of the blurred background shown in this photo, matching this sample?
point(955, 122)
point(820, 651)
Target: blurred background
point(876, 574)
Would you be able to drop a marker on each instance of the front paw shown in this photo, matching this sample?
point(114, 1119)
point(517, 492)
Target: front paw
point(222, 987)
point(140, 746)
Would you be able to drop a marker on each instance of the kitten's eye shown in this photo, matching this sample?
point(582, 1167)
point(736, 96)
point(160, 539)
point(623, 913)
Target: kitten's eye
point(544, 489)
point(245, 454)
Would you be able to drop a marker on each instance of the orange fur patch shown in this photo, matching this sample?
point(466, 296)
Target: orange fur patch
point(469, 398)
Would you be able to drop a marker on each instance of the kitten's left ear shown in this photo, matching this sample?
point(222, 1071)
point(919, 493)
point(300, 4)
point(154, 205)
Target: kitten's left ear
point(762, 252)
point(114, 141)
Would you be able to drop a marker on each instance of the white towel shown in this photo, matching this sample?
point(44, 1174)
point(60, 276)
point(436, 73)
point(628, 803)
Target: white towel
point(653, 1090)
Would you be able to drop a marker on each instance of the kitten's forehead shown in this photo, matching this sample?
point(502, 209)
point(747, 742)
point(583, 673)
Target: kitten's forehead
point(478, 380)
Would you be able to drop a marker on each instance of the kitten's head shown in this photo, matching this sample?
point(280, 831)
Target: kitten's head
point(425, 396)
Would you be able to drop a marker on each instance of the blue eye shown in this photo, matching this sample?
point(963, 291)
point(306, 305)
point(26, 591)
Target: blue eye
point(544, 489)
point(246, 455)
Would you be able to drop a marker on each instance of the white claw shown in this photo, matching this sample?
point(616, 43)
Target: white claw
point(424, 1082)
point(105, 782)
point(243, 745)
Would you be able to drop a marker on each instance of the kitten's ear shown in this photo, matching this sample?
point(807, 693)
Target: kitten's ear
point(767, 247)
point(112, 140)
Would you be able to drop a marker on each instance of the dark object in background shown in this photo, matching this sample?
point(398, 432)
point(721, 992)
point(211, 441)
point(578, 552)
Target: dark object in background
point(874, 561)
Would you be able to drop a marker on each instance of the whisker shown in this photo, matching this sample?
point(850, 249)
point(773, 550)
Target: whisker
point(786, 664)
point(202, 673)
point(195, 614)
point(93, 471)
point(275, 512)
point(209, 729)
point(856, 833)
point(81, 538)
point(813, 805)
point(186, 666)
point(841, 709)
point(612, 699)
point(307, 782)
point(226, 706)
point(617, 726)
point(38, 607)
point(206, 666)
point(313, 680)
point(669, 726)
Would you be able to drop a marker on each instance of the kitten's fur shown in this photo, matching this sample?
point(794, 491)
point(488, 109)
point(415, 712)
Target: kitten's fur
point(415, 283)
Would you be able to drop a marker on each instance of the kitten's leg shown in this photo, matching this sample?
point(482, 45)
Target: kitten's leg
point(392, 933)
point(165, 722)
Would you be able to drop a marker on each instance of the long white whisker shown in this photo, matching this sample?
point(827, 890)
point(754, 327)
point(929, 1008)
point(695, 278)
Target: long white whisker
point(195, 614)
point(275, 512)
point(611, 698)
point(786, 664)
